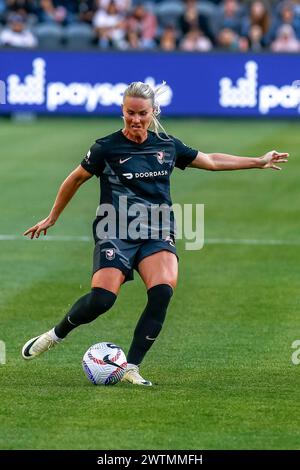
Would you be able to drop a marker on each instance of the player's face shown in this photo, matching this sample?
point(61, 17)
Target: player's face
point(137, 114)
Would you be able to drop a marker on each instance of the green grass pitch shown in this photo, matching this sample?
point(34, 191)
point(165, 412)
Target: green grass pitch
point(222, 371)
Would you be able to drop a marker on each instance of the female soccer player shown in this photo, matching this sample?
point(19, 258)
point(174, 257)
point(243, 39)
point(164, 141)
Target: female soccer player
point(134, 166)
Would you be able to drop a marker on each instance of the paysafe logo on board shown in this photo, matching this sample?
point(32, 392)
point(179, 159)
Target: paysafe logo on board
point(33, 89)
point(246, 93)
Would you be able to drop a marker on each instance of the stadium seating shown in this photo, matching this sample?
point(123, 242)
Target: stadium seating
point(79, 36)
point(49, 35)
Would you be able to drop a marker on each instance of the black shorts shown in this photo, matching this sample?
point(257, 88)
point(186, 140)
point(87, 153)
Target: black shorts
point(126, 255)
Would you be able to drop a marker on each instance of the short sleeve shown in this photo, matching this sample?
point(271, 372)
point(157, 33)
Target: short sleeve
point(184, 154)
point(94, 162)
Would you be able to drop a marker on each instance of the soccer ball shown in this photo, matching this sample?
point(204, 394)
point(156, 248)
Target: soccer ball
point(104, 364)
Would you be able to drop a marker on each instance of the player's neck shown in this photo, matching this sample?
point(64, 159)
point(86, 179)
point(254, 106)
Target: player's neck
point(139, 139)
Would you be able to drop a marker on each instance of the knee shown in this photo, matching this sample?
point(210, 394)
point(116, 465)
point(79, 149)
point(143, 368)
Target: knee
point(160, 294)
point(170, 281)
point(100, 300)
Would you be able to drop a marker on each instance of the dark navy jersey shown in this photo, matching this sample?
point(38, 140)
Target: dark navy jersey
point(141, 172)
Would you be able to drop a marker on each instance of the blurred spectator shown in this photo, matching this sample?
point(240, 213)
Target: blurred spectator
point(122, 5)
point(256, 39)
point(229, 16)
point(110, 27)
point(228, 40)
point(50, 13)
point(58, 11)
point(288, 16)
point(195, 40)
point(286, 40)
point(86, 10)
point(257, 19)
point(168, 40)
point(191, 19)
point(144, 25)
point(243, 44)
point(16, 34)
point(133, 41)
point(28, 9)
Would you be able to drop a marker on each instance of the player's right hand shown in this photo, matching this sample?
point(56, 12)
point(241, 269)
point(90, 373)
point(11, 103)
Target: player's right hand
point(41, 226)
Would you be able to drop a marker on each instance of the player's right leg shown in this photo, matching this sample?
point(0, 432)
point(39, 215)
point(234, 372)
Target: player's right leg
point(106, 283)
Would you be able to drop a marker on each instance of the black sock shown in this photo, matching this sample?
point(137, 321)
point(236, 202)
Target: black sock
point(150, 322)
point(85, 310)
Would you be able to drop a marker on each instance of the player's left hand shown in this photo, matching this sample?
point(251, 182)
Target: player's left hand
point(270, 160)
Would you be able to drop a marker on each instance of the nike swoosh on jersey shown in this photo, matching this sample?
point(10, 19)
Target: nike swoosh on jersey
point(125, 160)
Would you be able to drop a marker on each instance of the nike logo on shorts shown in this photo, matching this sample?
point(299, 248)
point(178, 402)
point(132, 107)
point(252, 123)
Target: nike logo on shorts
point(124, 160)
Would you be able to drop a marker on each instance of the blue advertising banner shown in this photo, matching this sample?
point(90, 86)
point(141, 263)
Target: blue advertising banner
point(213, 84)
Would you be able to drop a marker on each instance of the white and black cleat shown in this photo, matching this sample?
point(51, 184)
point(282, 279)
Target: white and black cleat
point(36, 346)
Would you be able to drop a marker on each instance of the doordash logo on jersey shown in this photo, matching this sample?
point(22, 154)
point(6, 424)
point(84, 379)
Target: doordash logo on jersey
point(147, 174)
point(33, 89)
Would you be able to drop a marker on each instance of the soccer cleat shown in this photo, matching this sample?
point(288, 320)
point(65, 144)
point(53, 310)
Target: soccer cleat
point(36, 346)
point(132, 376)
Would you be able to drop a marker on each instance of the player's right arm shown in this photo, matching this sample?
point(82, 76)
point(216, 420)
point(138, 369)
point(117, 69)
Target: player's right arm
point(64, 195)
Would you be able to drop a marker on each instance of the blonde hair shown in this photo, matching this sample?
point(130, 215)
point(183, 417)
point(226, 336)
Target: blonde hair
point(143, 90)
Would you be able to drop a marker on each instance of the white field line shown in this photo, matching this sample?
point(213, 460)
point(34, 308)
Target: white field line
point(208, 241)
point(48, 238)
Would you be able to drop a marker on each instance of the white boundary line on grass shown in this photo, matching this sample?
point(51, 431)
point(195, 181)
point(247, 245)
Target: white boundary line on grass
point(208, 241)
point(48, 238)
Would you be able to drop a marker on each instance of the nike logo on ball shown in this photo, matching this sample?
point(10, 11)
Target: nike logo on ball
point(125, 160)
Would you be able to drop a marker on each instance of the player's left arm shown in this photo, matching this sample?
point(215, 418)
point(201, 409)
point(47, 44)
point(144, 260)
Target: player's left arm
point(222, 161)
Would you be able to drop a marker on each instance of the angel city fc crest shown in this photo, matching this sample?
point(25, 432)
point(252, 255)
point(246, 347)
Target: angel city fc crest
point(110, 254)
point(160, 157)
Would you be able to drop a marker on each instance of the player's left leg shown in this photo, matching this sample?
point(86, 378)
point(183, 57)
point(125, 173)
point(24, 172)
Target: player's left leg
point(159, 272)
